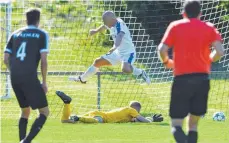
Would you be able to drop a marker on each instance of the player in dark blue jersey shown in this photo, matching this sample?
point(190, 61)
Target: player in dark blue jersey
point(25, 49)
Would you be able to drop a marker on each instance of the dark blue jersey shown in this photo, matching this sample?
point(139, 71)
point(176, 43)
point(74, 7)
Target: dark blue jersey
point(25, 47)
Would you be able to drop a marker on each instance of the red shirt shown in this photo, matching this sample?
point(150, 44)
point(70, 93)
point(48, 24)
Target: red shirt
point(191, 40)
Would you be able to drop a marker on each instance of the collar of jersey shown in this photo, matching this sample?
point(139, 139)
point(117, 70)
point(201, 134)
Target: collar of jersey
point(31, 27)
point(115, 23)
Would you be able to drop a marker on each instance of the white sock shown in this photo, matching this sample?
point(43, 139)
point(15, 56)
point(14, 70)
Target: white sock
point(90, 72)
point(136, 71)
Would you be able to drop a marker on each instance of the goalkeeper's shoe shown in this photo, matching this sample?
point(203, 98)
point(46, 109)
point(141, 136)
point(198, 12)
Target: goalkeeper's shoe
point(74, 118)
point(77, 79)
point(65, 98)
point(145, 77)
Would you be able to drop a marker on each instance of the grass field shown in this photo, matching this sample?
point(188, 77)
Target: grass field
point(56, 132)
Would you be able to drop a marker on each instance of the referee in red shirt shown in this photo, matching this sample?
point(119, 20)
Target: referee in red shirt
point(191, 40)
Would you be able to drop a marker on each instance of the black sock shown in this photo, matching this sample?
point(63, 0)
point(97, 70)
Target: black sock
point(192, 137)
point(179, 135)
point(36, 127)
point(22, 128)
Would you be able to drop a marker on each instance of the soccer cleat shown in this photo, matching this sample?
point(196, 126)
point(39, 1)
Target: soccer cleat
point(65, 98)
point(22, 141)
point(145, 77)
point(77, 79)
point(74, 118)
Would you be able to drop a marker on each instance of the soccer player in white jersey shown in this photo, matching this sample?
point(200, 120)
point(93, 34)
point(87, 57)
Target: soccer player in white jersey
point(123, 51)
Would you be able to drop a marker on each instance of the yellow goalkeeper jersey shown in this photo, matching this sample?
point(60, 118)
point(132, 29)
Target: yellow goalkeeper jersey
point(120, 115)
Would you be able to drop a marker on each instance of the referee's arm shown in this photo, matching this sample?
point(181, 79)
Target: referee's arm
point(164, 46)
point(216, 39)
point(218, 51)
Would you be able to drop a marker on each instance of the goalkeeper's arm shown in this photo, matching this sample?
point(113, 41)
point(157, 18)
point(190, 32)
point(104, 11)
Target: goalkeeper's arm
point(97, 30)
point(153, 118)
point(140, 118)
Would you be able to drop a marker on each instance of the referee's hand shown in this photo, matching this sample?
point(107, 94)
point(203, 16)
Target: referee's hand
point(45, 87)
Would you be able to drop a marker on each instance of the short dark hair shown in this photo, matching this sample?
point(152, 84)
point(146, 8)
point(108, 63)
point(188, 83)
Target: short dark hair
point(135, 104)
point(33, 16)
point(192, 8)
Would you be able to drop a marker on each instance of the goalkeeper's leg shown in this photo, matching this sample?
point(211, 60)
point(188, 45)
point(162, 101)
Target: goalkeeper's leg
point(93, 69)
point(66, 112)
point(88, 119)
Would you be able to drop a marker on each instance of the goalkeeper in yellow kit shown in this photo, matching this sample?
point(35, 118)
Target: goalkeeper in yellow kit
point(119, 115)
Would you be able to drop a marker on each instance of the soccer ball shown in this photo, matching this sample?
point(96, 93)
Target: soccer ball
point(219, 116)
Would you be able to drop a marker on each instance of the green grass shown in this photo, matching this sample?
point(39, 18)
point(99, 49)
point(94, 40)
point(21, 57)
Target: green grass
point(54, 131)
point(154, 98)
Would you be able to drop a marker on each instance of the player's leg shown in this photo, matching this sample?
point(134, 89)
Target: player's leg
point(93, 69)
point(128, 67)
point(92, 117)
point(178, 108)
point(177, 130)
point(88, 119)
point(66, 112)
point(198, 107)
point(23, 121)
point(38, 124)
point(25, 110)
point(192, 128)
point(37, 100)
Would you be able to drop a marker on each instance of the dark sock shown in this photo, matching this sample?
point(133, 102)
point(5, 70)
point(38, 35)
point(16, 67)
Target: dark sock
point(192, 137)
point(22, 128)
point(179, 135)
point(35, 129)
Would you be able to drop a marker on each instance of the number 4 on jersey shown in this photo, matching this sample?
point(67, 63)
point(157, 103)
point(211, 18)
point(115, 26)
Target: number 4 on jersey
point(21, 51)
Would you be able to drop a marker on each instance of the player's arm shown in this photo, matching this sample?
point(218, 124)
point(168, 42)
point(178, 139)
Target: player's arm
point(136, 117)
point(44, 66)
point(216, 39)
point(6, 59)
point(218, 51)
point(44, 50)
point(163, 55)
point(118, 41)
point(164, 46)
point(97, 30)
point(142, 119)
point(8, 52)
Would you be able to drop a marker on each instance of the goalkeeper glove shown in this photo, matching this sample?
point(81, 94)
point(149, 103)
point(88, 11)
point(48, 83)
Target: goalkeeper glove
point(157, 118)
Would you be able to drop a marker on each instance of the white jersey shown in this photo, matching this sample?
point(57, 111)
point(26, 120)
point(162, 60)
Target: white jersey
point(126, 47)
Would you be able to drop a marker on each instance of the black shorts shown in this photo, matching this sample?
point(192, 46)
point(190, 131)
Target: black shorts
point(30, 93)
point(189, 95)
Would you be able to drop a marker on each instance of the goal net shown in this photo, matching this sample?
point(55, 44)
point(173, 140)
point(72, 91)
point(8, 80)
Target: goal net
point(72, 52)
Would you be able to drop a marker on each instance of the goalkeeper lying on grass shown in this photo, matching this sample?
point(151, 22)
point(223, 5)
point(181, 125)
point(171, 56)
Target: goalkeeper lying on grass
point(120, 115)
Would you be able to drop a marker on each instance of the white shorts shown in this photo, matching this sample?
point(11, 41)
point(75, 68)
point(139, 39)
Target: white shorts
point(115, 58)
